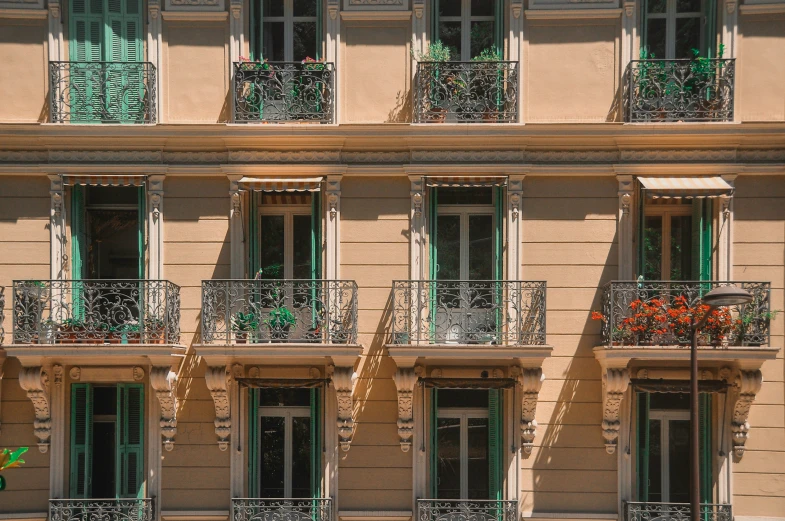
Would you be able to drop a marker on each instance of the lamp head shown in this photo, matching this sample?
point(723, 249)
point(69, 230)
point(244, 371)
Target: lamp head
point(727, 296)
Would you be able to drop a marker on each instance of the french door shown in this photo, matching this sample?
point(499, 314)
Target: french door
point(285, 452)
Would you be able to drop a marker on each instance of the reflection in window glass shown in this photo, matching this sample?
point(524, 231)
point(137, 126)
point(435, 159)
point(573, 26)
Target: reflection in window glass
point(449, 8)
point(272, 456)
point(657, 6)
point(652, 248)
point(304, 7)
point(481, 252)
point(688, 34)
point(273, 8)
point(681, 247)
point(301, 457)
point(273, 49)
point(450, 35)
point(302, 247)
point(482, 37)
point(304, 40)
point(478, 196)
point(448, 247)
point(482, 8)
point(272, 243)
point(655, 461)
point(448, 440)
point(478, 458)
point(678, 461)
point(655, 37)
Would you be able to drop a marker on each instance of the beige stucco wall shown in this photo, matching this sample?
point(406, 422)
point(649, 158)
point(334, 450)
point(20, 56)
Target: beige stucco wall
point(760, 68)
point(23, 75)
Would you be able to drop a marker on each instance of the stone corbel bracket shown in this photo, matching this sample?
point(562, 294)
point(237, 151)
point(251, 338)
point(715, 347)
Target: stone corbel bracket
point(343, 381)
point(216, 379)
point(164, 382)
point(35, 380)
point(531, 381)
point(748, 384)
point(405, 380)
point(614, 385)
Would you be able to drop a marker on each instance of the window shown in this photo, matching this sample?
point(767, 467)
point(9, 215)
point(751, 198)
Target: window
point(467, 26)
point(288, 237)
point(285, 30)
point(285, 456)
point(672, 28)
point(664, 449)
point(107, 441)
point(466, 444)
point(105, 30)
point(675, 239)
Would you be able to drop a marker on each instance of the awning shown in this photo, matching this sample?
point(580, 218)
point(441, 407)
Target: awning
point(282, 383)
point(678, 386)
point(468, 383)
point(685, 187)
point(284, 184)
point(465, 182)
point(104, 180)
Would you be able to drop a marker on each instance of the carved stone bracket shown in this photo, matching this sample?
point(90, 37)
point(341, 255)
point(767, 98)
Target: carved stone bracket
point(748, 384)
point(405, 379)
point(418, 6)
point(614, 385)
point(35, 380)
point(517, 8)
point(343, 380)
point(531, 382)
point(216, 379)
point(164, 381)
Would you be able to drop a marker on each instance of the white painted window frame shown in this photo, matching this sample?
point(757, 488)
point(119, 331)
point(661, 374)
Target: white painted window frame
point(289, 20)
point(288, 212)
point(466, 20)
point(670, 16)
point(665, 417)
point(287, 413)
point(665, 212)
point(464, 414)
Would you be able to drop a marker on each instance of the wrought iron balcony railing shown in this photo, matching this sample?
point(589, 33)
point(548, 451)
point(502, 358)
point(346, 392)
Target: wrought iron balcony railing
point(101, 510)
point(656, 312)
point(638, 511)
point(680, 90)
point(279, 311)
point(96, 312)
point(251, 509)
point(281, 92)
point(2, 315)
point(466, 510)
point(102, 92)
point(466, 92)
point(510, 312)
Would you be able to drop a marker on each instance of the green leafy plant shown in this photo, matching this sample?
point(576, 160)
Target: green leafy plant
point(492, 54)
point(280, 319)
point(436, 52)
point(10, 460)
point(244, 322)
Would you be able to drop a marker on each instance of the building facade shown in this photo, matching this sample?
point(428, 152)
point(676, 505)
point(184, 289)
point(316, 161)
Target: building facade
point(390, 260)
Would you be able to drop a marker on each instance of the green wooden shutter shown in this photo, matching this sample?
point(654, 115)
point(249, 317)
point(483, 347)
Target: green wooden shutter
point(709, 43)
point(253, 234)
point(701, 239)
point(81, 440)
point(706, 460)
point(316, 235)
point(642, 232)
point(319, 29)
point(78, 235)
point(316, 443)
point(432, 229)
point(253, 443)
point(85, 27)
point(130, 441)
point(498, 239)
point(123, 28)
point(642, 435)
point(495, 445)
point(434, 448)
point(498, 25)
point(434, 22)
point(255, 21)
point(141, 221)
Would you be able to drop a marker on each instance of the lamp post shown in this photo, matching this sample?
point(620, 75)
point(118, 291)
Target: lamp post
point(720, 296)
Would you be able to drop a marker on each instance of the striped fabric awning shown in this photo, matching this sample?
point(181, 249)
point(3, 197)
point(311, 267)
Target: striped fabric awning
point(285, 184)
point(465, 182)
point(685, 187)
point(104, 180)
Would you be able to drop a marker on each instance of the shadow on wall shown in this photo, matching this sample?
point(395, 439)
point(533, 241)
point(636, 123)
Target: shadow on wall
point(402, 111)
point(617, 108)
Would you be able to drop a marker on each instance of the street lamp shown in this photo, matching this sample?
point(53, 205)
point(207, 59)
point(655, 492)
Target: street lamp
point(720, 296)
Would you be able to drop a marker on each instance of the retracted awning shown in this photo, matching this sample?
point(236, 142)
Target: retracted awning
point(104, 180)
point(282, 383)
point(284, 184)
point(468, 383)
point(465, 182)
point(685, 187)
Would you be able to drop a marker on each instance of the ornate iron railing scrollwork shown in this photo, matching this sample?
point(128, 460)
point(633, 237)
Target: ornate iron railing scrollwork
point(680, 90)
point(466, 510)
point(252, 509)
point(96, 312)
point(630, 307)
point(2, 315)
point(465, 92)
point(640, 511)
point(510, 312)
point(102, 92)
point(101, 510)
point(279, 311)
point(283, 92)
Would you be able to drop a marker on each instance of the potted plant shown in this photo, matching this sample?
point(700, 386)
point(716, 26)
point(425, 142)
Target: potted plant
point(242, 324)
point(130, 333)
point(279, 321)
point(70, 330)
point(487, 74)
point(752, 320)
point(437, 53)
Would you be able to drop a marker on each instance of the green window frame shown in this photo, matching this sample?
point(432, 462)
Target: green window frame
point(256, 39)
point(129, 441)
point(464, 54)
point(667, 10)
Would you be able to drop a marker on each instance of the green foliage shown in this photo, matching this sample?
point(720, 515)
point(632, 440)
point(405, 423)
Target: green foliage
point(437, 52)
point(280, 318)
point(245, 321)
point(9, 460)
point(492, 54)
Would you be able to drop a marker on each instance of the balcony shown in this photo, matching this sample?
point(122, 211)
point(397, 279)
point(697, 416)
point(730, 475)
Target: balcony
point(466, 510)
point(102, 92)
point(284, 92)
point(103, 509)
point(637, 511)
point(2, 315)
point(121, 315)
point(680, 90)
point(466, 92)
point(250, 509)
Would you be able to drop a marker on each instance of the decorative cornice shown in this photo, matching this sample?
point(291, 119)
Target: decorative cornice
point(195, 157)
point(22, 11)
point(467, 156)
point(105, 156)
point(531, 382)
point(405, 380)
point(680, 155)
point(571, 156)
point(614, 385)
point(275, 156)
point(343, 380)
point(375, 157)
point(35, 380)
point(748, 384)
point(195, 16)
point(216, 379)
point(164, 381)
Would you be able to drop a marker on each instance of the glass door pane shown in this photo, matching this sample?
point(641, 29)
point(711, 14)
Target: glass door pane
point(301, 457)
point(272, 468)
point(652, 247)
point(478, 458)
point(448, 248)
point(655, 461)
point(681, 247)
point(302, 246)
point(273, 247)
point(448, 472)
point(678, 461)
point(481, 251)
